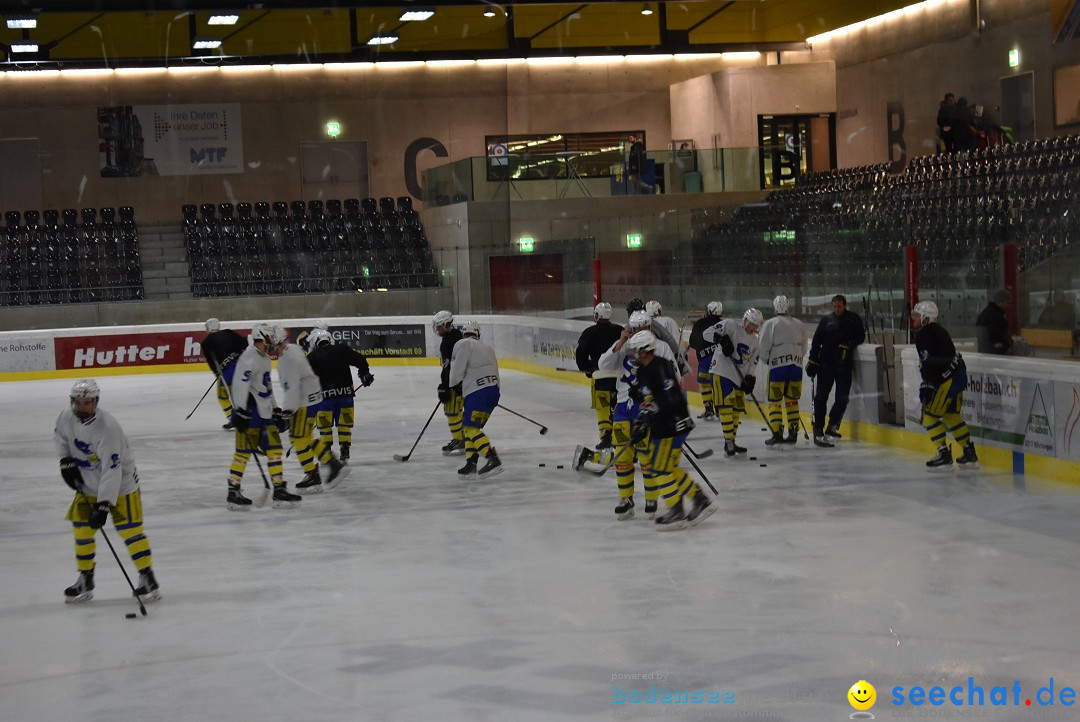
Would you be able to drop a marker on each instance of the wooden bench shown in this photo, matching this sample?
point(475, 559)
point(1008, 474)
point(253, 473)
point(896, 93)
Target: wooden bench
point(1051, 338)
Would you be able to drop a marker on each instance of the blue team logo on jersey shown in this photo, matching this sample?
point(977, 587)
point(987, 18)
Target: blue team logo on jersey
point(743, 353)
point(266, 385)
point(92, 461)
point(115, 461)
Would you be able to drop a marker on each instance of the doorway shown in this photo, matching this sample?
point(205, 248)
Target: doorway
point(1018, 106)
point(334, 170)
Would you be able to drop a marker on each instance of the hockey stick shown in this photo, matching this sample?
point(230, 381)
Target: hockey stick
point(764, 418)
point(212, 385)
point(703, 455)
point(399, 457)
point(260, 500)
point(543, 429)
point(701, 473)
point(573, 371)
point(105, 536)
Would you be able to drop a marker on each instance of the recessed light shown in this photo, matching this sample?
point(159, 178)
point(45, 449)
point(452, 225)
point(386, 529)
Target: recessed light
point(382, 39)
point(416, 15)
point(206, 43)
point(223, 20)
point(21, 22)
point(24, 46)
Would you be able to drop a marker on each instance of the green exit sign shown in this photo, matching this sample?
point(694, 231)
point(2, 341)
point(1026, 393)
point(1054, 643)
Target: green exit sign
point(333, 129)
point(633, 240)
point(1014, 58)
point(525, 244)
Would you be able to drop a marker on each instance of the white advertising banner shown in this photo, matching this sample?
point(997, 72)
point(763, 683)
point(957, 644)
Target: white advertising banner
point(1012, 411)
point(26, 353)
point(149, 140)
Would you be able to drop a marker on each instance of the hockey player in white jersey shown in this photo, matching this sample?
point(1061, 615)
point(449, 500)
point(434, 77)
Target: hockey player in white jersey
point(734, 364)
point(782, 345)
point(475, 367)
point(96, 462)
point(299, 407)
point(668, 332)
point(619, 359)
point(252, 396)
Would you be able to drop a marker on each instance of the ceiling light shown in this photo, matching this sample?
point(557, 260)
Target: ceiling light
point(489, 12)
point(223, 20)
point(741, 55)
point(206, 43)
point(646, 9)
point(382, 39)
point(21, 22)
point(24, 46)
point(416, 15)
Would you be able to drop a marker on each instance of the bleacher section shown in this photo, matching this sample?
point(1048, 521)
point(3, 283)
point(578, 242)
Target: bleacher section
point(83, 258)
point(299, 247)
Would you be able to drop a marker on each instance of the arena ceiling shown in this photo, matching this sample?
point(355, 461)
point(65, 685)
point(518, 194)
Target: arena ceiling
point(125, 33)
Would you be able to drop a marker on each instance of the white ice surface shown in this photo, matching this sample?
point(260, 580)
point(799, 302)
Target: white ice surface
point(407, 594)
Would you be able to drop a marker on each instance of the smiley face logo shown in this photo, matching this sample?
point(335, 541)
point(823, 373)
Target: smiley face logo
point(862, 695)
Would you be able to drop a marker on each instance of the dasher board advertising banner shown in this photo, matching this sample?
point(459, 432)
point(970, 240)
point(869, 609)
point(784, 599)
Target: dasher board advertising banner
point(150, 140)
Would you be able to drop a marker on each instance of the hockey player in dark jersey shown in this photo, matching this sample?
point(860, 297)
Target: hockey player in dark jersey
point(451, 397)
point(331, 362)
point(665, 420)
point(221, 348)
point(591, 345)
point(704, 351)
point(944, 378)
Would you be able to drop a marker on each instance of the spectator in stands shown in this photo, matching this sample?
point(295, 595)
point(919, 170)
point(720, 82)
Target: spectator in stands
point(635, 166)
point(963, 128)
point(992, 327)
point(946, 117)
point(987, 132)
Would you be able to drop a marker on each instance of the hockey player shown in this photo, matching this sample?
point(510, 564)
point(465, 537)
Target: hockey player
point(668, 332)
point(619, 359)
point(704, 353)
point(252, 394)
point(832, 356)
point(96, 462)
point(782, 351)
point(592, 343)
point(944, 378)
point(305, 339)
point(665, 421)
point(735, 366)
point(221, 348)
point(449, 396)
point(634, 304)
point(474, 366)
point(331, 361)
point(299, 407)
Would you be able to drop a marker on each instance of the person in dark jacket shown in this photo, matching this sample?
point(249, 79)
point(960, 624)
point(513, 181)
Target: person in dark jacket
point(331, 362)
point(450, 396)
point(992, 326)
point(832, 358)
point(591, 345)
point(709, 392)
point(221, 348)
point(944, 378)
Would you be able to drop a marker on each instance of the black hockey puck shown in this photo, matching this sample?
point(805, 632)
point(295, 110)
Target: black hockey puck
point(559, 466)
point(762, 465)
point(764, 429)
point(130, 616)
point(542, 465)
point(753, 458)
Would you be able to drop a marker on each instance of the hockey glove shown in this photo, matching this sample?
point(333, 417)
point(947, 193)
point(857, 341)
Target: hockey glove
point(926, 392)
point(367, 379)
point(636, 393)
point(444, 394)
point(748, 383)
point(69, 469)
point(241, 419)
point(684, 425)
point(282, 420)
point(811, 368)
point(99, 514)
point(639, 430)
point(727, 346)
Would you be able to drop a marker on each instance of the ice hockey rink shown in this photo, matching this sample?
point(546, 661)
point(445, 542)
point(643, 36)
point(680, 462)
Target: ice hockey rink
point(408, 594)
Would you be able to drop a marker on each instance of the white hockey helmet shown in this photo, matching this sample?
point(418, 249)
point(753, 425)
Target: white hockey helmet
point(654, 309)
point(780, 305)
point(639, 320)
point(470, 328)
point(319, 337)
point(642, 341)
point(85, 389)
point(752, 317)
point(925, 310)
point(715, 308)
point(440, 319)
point(212, 325)
point(321, 324)
point(602, 311)
point(268, 333)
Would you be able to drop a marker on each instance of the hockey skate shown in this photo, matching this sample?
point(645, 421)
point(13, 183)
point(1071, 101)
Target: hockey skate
point(776, 441)
point(625, 509)
point(336, 474)
point(236, 501)
point(969, 459)
point(581, 455)
point(702, 509)
point(792, 435)
point(821, 440)
point(470, 467)
point(148, 589)
point(311, 483)
point(492, 467)
point(285, 499)
point(344, 455)
point(650, 508)
point(456, 447)
point(672, 519)
point(709, 414)
point(228, 425)
point(943, 460)
point(832, 432)
point(731, 448)
point(82, 590)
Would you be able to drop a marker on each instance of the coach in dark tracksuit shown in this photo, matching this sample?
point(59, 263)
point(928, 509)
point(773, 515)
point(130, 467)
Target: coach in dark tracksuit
point(832, 358)
point(221, 348)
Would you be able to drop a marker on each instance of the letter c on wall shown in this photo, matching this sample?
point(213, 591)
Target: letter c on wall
point(414, 149)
